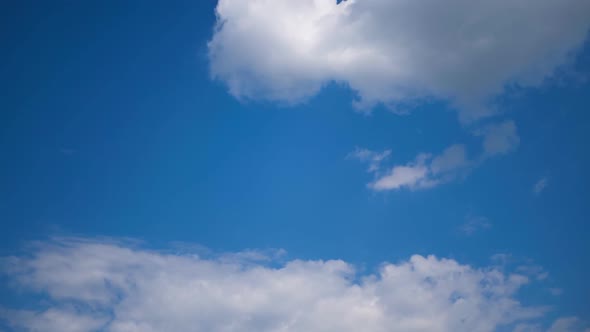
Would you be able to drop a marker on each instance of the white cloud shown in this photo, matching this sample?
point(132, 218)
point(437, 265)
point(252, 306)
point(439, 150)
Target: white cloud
point(373, 158)
point(499, 138)
point(502, 259)
point(525, 327)
point(413, 175)
point(91, 285)
point(566, 324)
point(474, 224)
point(425, 171)
point(393, 51)
point(534, 271)
point(563, 324)
point(428, 171)
point(540, 185)
point(55, 320)
point(524, 266)
point(452, 158)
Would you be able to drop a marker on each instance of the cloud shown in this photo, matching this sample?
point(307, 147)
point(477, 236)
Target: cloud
point(413, 175)
point(474, 224)
point(540, 185)
point(563, 324)
point(566, 324)
point(427, 171)
point(54, 320)
point(502, 259)
point(528, 328)
point(452, 158)
point(88, 285)
point(373, 158)
point(499, 138)
point(393, 52)
point(67, 151)
point(524, 266)
point(533, 271)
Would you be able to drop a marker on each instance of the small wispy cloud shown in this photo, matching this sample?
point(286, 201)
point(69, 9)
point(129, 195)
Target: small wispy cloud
point(424, 171)
point(522, 265)
point(567, 324)
point(498, 139)
point(474, 224)
point(67, 151)
point(428, 170)
point(540, 185)
point(372, 158)
point(534, 271)
point(501, 259)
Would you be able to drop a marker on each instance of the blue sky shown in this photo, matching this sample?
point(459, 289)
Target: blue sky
point(304, 128)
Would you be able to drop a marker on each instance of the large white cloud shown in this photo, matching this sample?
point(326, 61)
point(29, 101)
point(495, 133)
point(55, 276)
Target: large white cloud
point(391, 51)
point(91, 285)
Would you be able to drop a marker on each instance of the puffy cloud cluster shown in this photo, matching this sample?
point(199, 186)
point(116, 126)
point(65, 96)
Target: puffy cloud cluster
point(397, 53)
point(393, 51)
point(110, 286)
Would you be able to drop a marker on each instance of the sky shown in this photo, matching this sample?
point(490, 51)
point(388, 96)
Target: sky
point(311, 165)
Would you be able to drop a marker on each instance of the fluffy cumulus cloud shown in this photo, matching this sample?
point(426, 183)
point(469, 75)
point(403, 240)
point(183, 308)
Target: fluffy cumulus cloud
point(428, 170)
point(89, 285)
point(392, 51)
point(398, 53)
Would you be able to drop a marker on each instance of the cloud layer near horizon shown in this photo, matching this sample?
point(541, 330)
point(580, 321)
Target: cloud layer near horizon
point(96, 285)
point(393, 51)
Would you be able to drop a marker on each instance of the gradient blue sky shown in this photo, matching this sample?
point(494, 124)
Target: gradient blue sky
point(112, 126)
